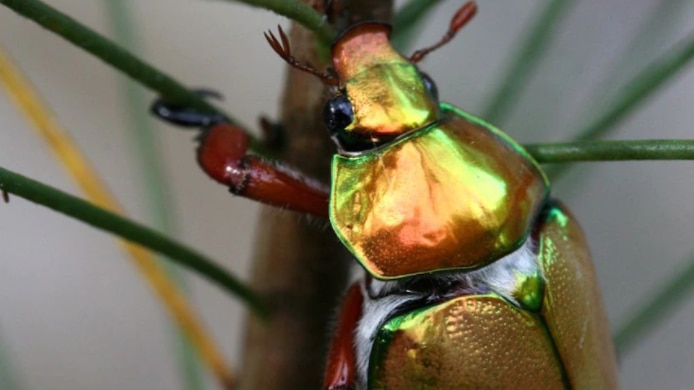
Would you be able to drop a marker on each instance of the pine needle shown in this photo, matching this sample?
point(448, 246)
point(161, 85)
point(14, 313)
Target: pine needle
point(81, 171)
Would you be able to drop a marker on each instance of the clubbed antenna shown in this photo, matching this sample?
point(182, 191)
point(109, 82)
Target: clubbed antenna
point(282, 48)
point(460, 19)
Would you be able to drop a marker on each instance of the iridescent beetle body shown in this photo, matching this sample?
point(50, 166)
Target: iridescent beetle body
point(530, 320)
point(475, 278)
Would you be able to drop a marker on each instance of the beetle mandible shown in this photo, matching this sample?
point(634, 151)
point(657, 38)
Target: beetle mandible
point(475, 277)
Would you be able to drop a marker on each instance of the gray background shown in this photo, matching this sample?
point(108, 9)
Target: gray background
point(75, 315)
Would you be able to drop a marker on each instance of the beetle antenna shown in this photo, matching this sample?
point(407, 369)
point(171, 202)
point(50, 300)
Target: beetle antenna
point(283, 49)
point(460, 19)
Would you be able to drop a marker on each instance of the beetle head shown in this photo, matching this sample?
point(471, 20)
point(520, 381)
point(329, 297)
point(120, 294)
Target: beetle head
point(380, 95)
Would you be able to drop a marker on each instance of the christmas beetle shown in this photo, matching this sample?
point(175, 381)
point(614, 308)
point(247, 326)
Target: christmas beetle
point(476, 278)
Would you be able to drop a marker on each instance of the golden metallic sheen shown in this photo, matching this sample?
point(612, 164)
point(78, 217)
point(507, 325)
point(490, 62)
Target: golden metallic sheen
point(572, 307)
point(455, 195)
point(484, 341)
point(386, 91)
point(470, 342)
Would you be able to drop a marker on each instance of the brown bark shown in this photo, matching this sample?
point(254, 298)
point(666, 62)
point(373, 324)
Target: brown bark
point(300, 266)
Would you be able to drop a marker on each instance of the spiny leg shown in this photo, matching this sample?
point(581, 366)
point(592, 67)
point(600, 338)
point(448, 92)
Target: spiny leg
point(223, 153)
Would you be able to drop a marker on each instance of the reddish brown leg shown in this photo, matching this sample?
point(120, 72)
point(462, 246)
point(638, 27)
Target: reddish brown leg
point(222, 154)
point(340, 373)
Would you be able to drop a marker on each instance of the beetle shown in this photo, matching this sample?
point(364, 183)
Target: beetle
point(475, 277)
point(602, 195)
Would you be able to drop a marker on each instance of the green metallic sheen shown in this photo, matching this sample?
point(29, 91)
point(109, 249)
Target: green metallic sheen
point(386, 90)
point(572, 306)
point(457, 194)
point(558, 336)
point(529, 291)
point(396, 101)
point(469, 341)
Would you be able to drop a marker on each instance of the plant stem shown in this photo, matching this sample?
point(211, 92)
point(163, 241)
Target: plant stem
point(86, 212)
point(654, 310)
point(154, 187)
point(299, 12)
point(300, 269)
point(636, 92)
point(408, 20)
point(525, 61)
point(612, 151)
point(117, 57)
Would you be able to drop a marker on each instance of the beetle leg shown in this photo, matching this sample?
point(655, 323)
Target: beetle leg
point(340, 373)
point(187, 117)
point(223, 155)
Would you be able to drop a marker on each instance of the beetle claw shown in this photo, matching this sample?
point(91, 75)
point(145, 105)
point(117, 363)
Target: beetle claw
point(209, 93)
point(186, 116)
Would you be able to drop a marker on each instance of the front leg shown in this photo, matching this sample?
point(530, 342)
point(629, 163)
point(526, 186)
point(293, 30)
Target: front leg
point(223, 155)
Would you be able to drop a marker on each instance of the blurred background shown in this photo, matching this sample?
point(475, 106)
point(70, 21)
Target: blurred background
point(74, 314)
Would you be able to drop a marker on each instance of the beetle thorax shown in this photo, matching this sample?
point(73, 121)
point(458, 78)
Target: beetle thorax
point(455, 195)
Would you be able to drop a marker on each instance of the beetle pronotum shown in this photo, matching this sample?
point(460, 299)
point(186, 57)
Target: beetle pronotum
point(603, 212)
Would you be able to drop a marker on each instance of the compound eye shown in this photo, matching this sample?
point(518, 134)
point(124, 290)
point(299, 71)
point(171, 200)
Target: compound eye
point(338, 114)
point(430, 86)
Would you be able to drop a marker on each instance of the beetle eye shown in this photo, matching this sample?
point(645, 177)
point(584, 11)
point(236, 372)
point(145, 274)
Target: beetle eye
point(430, 85)
point(338, 114)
